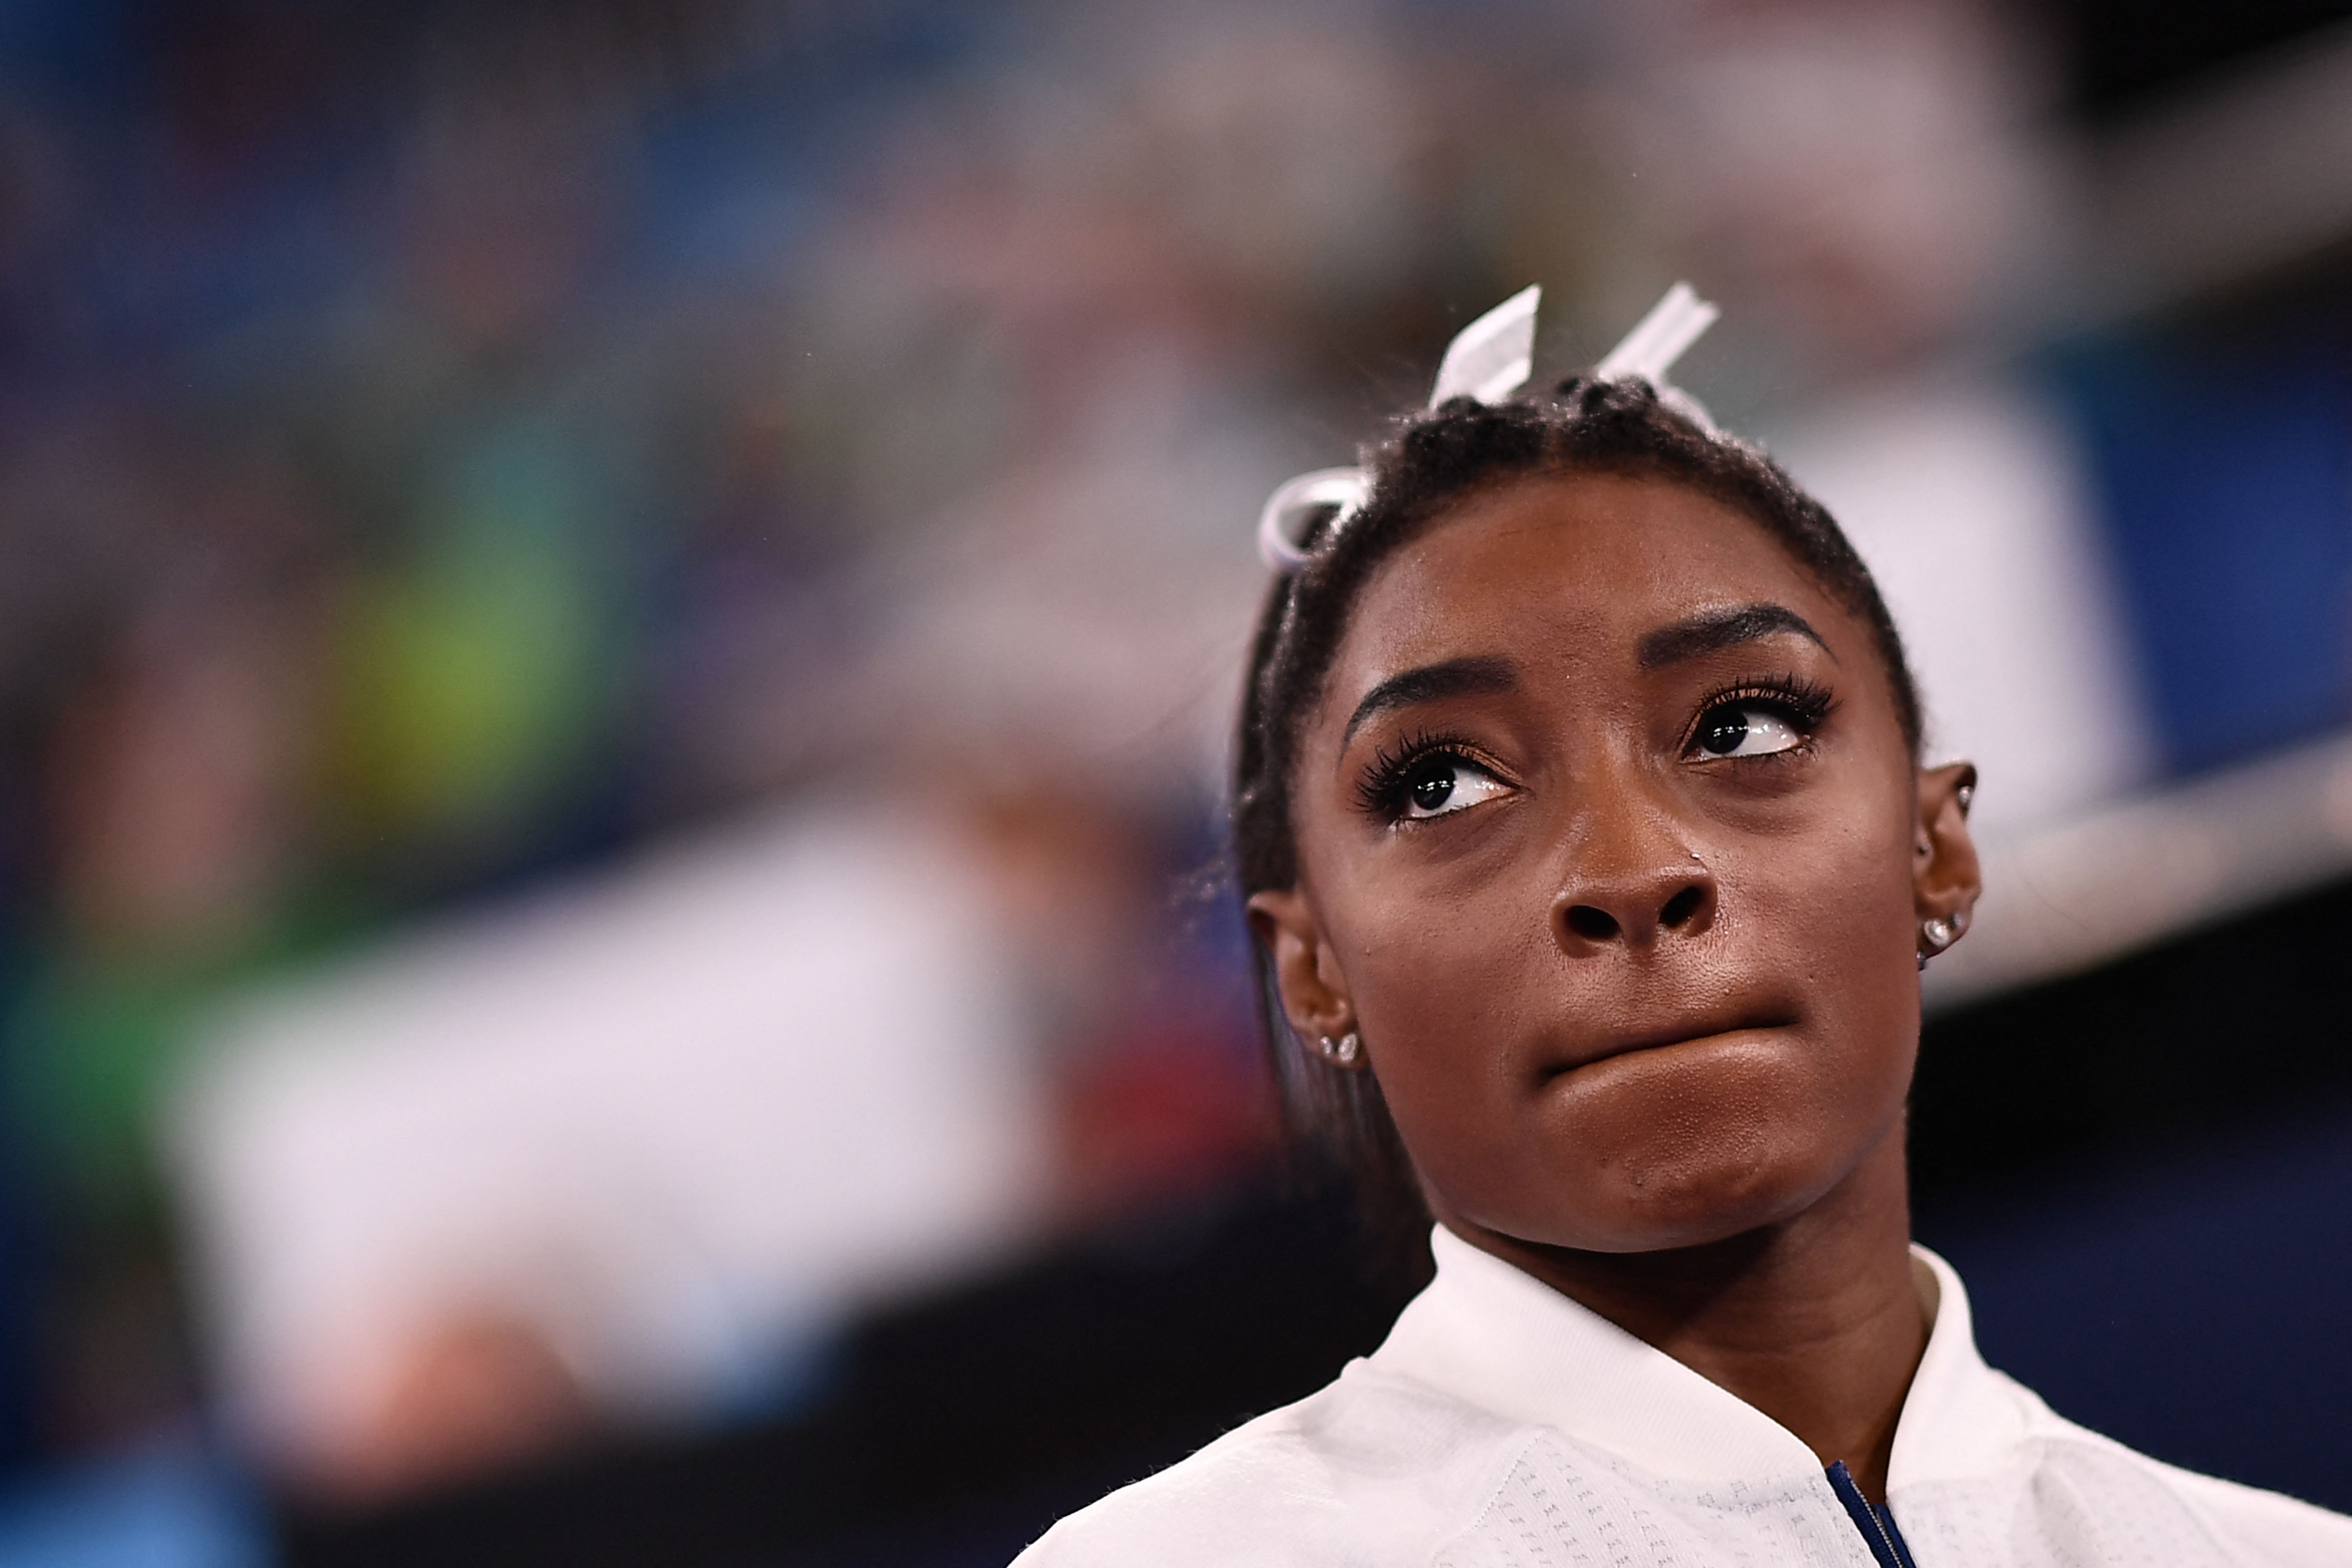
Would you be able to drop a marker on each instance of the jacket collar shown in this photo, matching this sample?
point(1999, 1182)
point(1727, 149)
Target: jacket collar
point(1505, 1341)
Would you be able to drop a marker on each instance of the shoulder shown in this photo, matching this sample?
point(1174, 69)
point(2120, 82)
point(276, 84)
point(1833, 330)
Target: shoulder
point(2264, 1527)
point(2248, 1525)
point(1373, 1468)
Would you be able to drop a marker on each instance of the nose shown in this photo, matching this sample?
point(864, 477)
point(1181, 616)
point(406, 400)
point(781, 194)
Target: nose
point(1631, 883)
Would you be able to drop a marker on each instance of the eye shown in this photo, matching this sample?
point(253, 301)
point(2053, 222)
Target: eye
point(1442, 783)
point(1745, 730)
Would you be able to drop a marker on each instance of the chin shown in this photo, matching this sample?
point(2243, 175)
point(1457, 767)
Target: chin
point(1690, 1194)
point(1692, 1144)
point(1702, 1210)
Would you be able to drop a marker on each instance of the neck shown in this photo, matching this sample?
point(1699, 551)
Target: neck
point(1815, 1320)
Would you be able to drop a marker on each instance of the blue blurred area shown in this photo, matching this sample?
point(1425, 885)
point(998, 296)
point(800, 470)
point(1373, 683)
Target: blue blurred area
point(2194, 1307)
point(57, 47)
point(167, 1504)
point(2222, 461)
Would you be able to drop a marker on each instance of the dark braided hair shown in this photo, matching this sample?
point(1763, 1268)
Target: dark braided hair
point(1430, 463)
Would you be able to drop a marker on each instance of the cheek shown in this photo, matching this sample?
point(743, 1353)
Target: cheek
point(1442, 977)
point(1837, 917)
point(1448, 985)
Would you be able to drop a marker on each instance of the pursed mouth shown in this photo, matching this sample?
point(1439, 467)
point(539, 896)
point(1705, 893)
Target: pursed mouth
point(1671, 1037)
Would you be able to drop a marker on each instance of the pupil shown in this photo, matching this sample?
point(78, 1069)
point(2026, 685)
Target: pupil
point(1723, 730)
point(1431, 789)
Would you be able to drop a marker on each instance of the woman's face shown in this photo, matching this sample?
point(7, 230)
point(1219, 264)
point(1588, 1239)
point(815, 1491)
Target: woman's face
point(1614, 852)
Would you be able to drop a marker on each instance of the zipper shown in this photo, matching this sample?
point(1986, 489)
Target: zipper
point(1887, 1544)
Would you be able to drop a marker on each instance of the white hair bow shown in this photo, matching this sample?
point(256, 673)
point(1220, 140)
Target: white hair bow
point(1487, 360)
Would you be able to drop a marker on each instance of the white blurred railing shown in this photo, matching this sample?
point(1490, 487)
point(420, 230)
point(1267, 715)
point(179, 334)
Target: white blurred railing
point(2066, 898)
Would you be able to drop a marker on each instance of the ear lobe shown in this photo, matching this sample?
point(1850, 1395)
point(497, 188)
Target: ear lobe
point(1314, 997)
point(1946, 879)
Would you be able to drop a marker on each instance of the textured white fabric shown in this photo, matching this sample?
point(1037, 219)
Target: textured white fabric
point(1503, 1426)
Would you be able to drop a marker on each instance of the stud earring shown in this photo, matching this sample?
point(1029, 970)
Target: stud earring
point(1939, 933)
point(1343, 1050)
point(1967, 795)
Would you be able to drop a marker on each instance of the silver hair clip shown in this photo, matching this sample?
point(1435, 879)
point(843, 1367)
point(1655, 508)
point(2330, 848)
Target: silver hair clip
point(1488, 359)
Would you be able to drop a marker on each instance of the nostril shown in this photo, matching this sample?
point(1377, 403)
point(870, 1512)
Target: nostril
point(1592, 924)
point(1682, 907)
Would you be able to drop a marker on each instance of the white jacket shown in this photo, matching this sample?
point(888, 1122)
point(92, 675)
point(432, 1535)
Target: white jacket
point(1502, 1424)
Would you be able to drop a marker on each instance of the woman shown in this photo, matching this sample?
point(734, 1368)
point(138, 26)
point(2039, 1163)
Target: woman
point(1580, 821)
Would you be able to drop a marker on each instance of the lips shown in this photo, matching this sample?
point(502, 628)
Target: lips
point(1682, 1033)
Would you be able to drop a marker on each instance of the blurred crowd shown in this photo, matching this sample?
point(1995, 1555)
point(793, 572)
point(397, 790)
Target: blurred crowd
point(567, 571)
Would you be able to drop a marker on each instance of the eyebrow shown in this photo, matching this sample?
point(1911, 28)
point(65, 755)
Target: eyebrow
point(1720, 629)
point(1478, 676)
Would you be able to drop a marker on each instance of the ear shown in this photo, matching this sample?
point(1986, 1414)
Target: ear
point(1945, 878)
point(1305, 971)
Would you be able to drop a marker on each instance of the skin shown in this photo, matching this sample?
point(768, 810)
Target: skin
point(1646, 1017)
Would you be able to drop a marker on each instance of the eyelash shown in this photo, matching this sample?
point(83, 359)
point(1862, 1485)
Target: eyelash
point(1805, 705)
point(1380, 792)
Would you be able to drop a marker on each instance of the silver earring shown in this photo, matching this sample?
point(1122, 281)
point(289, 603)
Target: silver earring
point(1937, 933)
point(1967, 795)
point(1343, 1050)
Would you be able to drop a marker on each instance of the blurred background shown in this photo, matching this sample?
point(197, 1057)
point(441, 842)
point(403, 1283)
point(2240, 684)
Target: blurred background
point(616, 626)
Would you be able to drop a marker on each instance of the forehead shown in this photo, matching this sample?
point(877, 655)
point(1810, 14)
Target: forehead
point(1571, 567)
